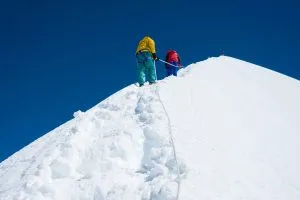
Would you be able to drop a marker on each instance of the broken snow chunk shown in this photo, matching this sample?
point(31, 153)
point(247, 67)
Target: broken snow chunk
point(78, 114)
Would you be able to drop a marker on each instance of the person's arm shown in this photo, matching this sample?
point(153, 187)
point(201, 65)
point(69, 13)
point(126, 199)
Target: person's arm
point(151, 45)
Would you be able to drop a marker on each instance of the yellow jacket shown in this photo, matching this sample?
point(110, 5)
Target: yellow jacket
point(146, 44)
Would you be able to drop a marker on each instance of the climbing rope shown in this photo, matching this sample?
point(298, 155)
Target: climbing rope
point(172, 143)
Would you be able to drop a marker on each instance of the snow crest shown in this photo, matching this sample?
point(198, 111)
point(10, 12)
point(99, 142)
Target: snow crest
point(235, 128)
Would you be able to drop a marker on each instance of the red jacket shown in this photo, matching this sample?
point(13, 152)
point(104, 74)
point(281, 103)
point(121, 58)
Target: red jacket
point(172, 56)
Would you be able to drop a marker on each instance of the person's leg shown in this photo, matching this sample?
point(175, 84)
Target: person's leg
point(150, 69)
point(169, 71)
point(140, 71)
point(175, 69)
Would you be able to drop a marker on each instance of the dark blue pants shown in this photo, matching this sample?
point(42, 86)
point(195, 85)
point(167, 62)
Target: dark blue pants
point(171, 70)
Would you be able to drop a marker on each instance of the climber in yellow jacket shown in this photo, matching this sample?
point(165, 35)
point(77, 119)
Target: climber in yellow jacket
point(145, 57)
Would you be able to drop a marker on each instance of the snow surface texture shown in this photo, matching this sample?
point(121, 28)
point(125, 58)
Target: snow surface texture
point(235, 129)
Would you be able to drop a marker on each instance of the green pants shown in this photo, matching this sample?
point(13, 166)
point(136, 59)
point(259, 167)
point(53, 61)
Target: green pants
point(145, 70)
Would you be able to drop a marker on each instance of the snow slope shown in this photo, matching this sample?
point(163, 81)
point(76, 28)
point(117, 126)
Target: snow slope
point(235, 129)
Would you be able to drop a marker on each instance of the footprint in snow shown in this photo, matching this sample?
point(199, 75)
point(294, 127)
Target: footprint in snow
point(154, 172)
point(110, 107)
point(140, 108)
point(146, 118)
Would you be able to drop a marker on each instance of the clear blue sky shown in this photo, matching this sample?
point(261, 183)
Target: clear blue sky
point(57, 57)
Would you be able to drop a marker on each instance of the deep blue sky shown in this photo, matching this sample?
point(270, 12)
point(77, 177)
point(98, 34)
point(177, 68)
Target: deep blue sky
point(57, 57)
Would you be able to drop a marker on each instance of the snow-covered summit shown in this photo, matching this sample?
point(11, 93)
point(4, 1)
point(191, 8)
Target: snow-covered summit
point(223, 129)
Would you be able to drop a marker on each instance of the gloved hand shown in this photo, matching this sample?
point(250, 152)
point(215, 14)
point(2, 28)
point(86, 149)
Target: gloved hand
point(155, 57)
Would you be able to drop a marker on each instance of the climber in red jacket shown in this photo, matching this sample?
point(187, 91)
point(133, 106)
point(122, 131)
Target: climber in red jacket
point(173, 58)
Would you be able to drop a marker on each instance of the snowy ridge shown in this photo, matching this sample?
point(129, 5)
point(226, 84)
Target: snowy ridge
point(236, 134)
point(118, 149)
